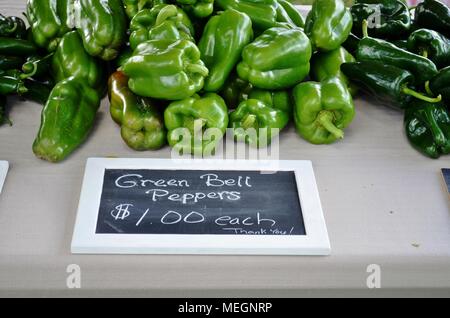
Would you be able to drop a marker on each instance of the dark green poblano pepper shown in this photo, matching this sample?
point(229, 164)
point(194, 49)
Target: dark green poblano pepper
point(67, 119)
point(431, 45)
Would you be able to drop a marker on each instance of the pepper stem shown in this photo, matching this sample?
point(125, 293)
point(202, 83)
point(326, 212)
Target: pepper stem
point(428, 89)
point(166, 13)
point(197, 68)
point(325, 119)
point(13, 29)
point(420, 96)
point(425, 53)
point(30, 74)
point(249, 121)
point(365, 28)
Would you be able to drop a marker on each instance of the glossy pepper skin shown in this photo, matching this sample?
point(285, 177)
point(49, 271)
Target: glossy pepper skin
point(12, 27)
point(280, 100)
point(133, 7)
point(427, 127)
point(235, 91)
point(371, 49)
point(17, 47)
point(432, 45)
point(390, 85)
point(67, 119)
point(278, 59)
point(322, 110)
point(37, 65)
point(328, 24)
point(263, 13)
point(6, 26)
point(142, 126)
point(164, 69)
point(102, 27)
point(328, 64)
point(440, 84)
point(11, 83)
point(187, 122)
point(198, 8)
point(288, 13)
point(256, 123)
point(162, 22)
point(49, 21)
point(221, 53)
point(38, 90)
point(433, 15)
point(71, 60)
point(392, 18)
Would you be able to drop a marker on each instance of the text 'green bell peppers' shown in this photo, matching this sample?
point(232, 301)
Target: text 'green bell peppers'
point(162, 22)
point(263, 13)
point(197, 8)
point(433, 15)
point(142, 126)
point(67, 119)
point(328, 24)
point(278, 59)
point(328, 64)
point(322, 110)
point(428, 128)
point(102, 27)
point(440, 84)
point(224, 37)
point(71, 60)
point(256, 123)
point(197, 124)
point(378, 50)
point(49, 21)
point(165, 69)
point(431, 45)
point(388, 19)
point(390, 85)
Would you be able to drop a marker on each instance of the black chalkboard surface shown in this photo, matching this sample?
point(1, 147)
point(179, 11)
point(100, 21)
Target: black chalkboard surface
point(200, 202)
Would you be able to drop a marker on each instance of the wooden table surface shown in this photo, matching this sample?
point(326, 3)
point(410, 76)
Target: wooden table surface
point(384, 204)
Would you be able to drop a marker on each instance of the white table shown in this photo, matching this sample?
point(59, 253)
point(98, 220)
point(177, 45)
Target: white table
point(384, 204)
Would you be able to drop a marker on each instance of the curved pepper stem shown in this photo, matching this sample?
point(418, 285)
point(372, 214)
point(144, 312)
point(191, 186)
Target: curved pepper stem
point(166, 13)
point(428, 89)
point(420, 96)
point(249, 121)
point(325, 119)
point(425, 53)
point(365, 29)
point(197, 68)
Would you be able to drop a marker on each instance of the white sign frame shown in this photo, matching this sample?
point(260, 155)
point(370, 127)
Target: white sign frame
point(86, 241)
point(4, 166)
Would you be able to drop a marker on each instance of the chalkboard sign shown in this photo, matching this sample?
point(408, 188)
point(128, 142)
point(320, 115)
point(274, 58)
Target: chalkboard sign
point(146, 206)
point(200, 202)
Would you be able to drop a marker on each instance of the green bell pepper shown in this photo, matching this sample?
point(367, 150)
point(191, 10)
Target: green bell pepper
point(433, 15)
point(322, 110)
point(256, 123)
point(328, 24)
point(289, 14)
point(165, 69)
point(440, 84)
point(221, 53)
point(142, 126)
point(49, 21)
point(391, 18)
point(278, 59)
point(378, 50)
point(328, 64)
point(102, 27)
point(390, 85)
point(162, 22)
point(197, 8)
point(71, 60)
point(197, 124)
point(235, 91)
point(133, 7)
point(431, 45)
point(427, 127)
point(280, 100)
point(263, 13)
point(67, 119)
